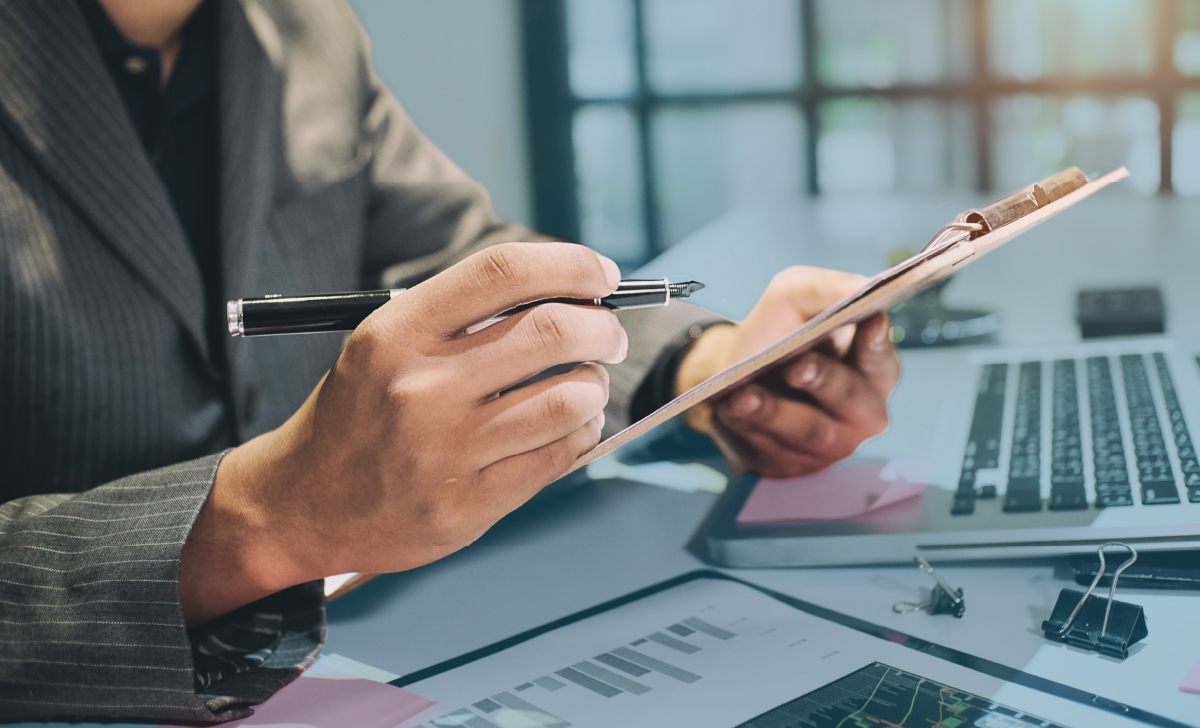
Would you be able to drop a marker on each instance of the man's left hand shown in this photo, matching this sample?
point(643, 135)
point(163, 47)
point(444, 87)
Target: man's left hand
point(814, 410)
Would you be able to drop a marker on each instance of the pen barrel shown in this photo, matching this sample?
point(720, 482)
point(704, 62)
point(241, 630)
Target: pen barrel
point(271, 315)
point(629, 294)
point(303, 314)
point(638, 294)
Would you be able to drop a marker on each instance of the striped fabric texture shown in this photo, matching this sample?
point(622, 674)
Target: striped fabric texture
point(92, 626)
point(112, 420)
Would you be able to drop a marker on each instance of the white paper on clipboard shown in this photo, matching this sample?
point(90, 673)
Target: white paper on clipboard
point(878, 294)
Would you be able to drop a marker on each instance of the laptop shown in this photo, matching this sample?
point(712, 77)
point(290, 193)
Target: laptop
point(1050, 450)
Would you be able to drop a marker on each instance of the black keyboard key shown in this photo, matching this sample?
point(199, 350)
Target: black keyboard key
point(983, 441)
point(1114, 497)
point(988, 492)
point(1108, 449)
point(1023, 496)
point(1193, 495)
point(1068, 497)
point(1024, 490)
point(1154, 469)
point(964, 503)
point(1161, 494)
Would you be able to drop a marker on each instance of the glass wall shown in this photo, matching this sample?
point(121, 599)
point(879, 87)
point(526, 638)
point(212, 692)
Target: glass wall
point(678, 111)
point(1036, 135)
point(1036, 39)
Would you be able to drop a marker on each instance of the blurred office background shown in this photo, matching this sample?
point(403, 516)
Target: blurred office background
point(630, 124)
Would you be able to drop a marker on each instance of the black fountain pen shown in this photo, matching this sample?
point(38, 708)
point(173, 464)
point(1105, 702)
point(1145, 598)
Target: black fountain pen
point(279, 314)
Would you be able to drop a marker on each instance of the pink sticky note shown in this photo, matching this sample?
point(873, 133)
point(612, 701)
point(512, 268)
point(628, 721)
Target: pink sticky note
point(335, 700)
point(1191, 683)
point(840, 494)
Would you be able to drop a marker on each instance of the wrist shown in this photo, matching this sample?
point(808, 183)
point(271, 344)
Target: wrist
point(244, 544)
point(708, 356)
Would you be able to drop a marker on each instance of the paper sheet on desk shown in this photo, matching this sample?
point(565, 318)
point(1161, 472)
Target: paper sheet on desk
point(1191, 683)
point(840, 494)
point(710, 653)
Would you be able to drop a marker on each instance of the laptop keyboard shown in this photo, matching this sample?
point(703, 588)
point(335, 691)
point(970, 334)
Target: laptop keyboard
point(1111, 484)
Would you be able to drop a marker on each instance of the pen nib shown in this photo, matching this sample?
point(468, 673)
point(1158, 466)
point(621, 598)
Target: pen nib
point(685, 289)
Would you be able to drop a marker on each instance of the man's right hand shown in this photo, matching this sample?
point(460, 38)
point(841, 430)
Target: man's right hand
point(411, 447)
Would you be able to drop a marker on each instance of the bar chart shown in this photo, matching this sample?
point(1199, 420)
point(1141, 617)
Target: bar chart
point(621, 670)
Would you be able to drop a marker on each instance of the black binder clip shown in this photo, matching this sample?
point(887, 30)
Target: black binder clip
point(1090, 622)
point(943, 598)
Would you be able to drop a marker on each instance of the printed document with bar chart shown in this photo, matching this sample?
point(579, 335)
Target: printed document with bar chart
point(718, 653)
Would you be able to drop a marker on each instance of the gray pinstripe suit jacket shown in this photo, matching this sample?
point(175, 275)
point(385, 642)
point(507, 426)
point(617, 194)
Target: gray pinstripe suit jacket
point(112, 420)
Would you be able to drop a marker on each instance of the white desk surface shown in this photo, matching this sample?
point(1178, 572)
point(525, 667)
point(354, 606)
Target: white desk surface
point(610, 538)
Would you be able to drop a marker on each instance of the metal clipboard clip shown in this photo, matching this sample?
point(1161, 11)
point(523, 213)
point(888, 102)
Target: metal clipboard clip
point(976, 222)
point(1093, 623)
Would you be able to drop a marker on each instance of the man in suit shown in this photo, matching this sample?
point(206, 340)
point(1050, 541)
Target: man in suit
point(173, 498)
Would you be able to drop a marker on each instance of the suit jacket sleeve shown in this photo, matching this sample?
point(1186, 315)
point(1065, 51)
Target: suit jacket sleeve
point(426, 215)
point(90, 619)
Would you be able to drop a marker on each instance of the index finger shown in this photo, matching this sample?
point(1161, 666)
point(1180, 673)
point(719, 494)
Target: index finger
point(503, 276)
point(875, 354)
point(809, 291)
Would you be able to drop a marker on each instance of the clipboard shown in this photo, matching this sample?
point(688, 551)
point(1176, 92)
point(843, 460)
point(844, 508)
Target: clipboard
point(973, 234)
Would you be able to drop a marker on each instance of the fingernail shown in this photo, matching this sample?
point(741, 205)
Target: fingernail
point(881, 339)
point(611, 272)
point(808, 375)
point(746, 403)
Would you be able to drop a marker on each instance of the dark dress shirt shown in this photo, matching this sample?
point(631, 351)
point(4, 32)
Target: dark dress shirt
point(178, 128)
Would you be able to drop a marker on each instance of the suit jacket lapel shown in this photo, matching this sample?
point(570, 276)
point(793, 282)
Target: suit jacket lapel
point(58, 100)
point(251, 111)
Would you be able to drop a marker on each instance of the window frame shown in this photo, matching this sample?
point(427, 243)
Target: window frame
point(551, 105)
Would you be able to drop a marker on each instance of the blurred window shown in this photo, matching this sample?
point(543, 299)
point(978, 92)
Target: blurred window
point(722, 46)
point(1186, 47)
point(667, 114)
point(1185, 151)
point(869, 144)
point(882, 43)
point(1034, 39)
point(609, 185)
point(752, 152)
point(600, 48)
point(1035, 136)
